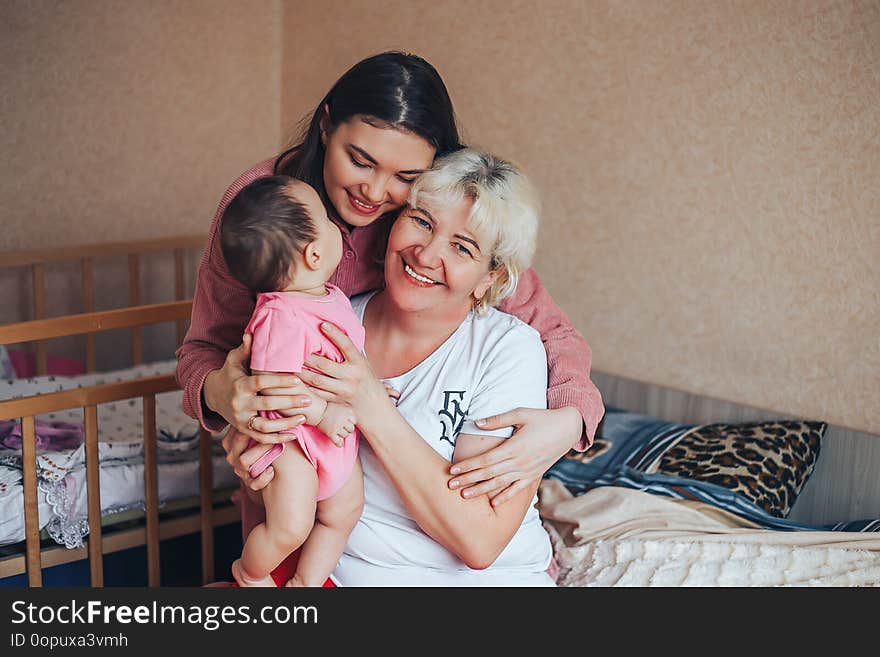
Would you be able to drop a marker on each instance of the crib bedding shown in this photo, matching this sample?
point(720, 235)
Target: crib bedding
point(61, 464)
point(120, 423)
point(63, 507)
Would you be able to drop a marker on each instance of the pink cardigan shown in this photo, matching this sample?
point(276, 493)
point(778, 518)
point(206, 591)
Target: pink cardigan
point(222, 307)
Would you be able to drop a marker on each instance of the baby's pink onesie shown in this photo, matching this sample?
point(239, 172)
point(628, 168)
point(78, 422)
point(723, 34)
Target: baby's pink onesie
point(286, 329)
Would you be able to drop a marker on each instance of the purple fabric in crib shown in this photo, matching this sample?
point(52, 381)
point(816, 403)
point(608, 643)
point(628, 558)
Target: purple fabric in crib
point(51, 436)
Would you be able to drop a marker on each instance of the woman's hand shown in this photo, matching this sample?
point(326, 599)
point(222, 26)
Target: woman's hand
point(540, 438)
point(238, 397)
point(241, 458)
point(350, 382)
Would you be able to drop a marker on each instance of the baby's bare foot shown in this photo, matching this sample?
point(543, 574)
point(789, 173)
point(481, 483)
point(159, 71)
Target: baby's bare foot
point(246, 580)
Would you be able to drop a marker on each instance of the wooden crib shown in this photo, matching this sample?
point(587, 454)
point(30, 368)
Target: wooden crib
point(212, 510)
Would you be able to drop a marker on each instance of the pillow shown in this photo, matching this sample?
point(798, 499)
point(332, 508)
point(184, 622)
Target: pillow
point(754, 468)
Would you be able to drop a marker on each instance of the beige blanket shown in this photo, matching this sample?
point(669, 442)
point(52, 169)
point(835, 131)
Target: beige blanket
point(614, 536)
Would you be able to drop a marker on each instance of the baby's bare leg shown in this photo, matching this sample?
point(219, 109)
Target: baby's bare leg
point(290, 514)
point(336, 518)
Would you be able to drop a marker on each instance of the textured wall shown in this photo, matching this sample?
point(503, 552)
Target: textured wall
point(712, 212)
point(126, 120)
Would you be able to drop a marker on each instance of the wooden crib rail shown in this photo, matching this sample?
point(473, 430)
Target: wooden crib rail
point(88, 399)
point(11, 409)
point(86, 254)
point(29, 257)
point(90, 323)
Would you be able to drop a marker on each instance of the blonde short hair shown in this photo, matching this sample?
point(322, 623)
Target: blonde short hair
point(504, 214)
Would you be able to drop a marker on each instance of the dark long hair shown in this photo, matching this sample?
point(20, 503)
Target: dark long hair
point(392, 89)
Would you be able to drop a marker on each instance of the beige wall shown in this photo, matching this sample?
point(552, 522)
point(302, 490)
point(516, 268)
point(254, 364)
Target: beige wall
point(709, 172)
point(126, 120)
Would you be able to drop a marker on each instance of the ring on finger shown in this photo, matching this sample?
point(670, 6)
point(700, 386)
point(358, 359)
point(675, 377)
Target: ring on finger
point(250, 424)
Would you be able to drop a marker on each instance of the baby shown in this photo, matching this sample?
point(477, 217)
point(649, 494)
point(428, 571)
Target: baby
point(277, 240)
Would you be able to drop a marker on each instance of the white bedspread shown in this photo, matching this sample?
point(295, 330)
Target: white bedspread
point(614, 536)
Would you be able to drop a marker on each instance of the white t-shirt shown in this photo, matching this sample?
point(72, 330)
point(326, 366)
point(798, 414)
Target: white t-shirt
point(490, 365)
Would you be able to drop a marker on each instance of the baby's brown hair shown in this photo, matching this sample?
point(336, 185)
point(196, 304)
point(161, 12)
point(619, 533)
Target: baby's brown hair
point(261, 229)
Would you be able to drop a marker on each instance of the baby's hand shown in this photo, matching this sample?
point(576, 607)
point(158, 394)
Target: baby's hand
point(338, 422)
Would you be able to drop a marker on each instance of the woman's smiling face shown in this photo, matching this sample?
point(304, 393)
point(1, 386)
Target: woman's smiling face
point(368, 170)
point(434, 261)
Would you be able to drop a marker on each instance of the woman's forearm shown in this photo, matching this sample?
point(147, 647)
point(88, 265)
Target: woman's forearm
point(470, 528)
point(195, 363)
point(210, 388)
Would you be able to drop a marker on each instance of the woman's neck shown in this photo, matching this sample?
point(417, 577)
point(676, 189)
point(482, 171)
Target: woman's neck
point(398, 340)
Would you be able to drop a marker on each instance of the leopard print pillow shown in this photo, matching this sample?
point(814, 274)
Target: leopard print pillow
point(766, 462)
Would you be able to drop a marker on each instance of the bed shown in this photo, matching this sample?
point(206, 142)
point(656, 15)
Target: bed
point(711, 495)
point(99, 462)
